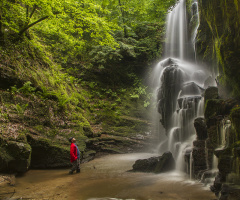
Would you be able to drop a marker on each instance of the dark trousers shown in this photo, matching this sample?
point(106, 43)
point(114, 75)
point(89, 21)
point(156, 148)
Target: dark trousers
point(75, 165)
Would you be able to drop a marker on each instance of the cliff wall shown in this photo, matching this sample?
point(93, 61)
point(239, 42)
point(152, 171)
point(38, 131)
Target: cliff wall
point(218, 42)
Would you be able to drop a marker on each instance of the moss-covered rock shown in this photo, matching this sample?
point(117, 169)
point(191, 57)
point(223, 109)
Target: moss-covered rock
point(47, 155)
point(212, 108)
point(211, 93)
point(14, 156)
point(201, 128)
point(235, 119)
point(219, 39)
point(155, 164)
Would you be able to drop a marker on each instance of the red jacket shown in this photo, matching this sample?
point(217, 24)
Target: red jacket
point(73, 152)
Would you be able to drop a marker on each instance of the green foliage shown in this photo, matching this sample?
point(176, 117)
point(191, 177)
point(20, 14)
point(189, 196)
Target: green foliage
point(81, 61)
point(20, 108)
point(27, 88)
point(3, 115)
point(67, 17)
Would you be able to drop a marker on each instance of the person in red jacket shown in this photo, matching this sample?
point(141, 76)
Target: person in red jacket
point(74, 156)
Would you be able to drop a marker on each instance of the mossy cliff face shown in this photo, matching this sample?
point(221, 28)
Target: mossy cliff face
point(35, 128)
point(14, 156)
point(222, 117)
point(34, 133)
point(219, 40)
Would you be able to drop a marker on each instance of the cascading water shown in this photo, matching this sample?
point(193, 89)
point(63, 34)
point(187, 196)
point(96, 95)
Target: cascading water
point(209, 175)
point(179, 86)
point(225, 126)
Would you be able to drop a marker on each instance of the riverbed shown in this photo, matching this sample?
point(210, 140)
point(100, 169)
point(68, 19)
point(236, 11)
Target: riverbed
point(106, 178)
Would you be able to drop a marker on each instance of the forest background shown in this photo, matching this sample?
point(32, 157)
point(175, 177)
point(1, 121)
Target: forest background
point(76, 68)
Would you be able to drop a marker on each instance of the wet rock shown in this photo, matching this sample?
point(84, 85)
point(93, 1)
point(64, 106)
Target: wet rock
point(10, 179)
point(47, 155)
point(214, 121)
point(217, 185)
point(201, 128)
point(229, 192)
point(199, 157)
point(14, 156)
point(235, 119)
point(191, 88)
point(213, 108)
point(155, 164)
point(211, 93)
point(208, 176)
point(172, 81)
point(224, 166)
point(199, 144)
point(186, 102)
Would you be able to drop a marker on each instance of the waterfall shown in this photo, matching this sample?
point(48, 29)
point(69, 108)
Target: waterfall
point(225, 126)
point(177, 32)
point(179, 86)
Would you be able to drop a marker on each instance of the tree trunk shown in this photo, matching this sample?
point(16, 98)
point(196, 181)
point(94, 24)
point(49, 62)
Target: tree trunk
point(123, 18)
point(1, 30)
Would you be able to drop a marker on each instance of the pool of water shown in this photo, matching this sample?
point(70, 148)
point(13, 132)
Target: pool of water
point(107, 178)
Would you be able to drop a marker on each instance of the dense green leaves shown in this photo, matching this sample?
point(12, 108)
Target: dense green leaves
point(114, 37)
point(68, 16)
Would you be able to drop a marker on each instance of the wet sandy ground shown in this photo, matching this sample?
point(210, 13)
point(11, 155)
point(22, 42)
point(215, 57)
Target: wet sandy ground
point(106, 178)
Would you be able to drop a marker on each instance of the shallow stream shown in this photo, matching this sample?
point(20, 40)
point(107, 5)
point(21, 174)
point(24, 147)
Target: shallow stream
point(106, 178)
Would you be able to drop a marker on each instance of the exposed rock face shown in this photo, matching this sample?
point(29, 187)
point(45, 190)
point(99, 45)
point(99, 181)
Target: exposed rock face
point(155, 164)
point(211, 93)
point(199, 157)
point(219, 39)
point(229, 193)
point(14, 156)
point(222, 141)
point(172, 81)
point(198, 153)
point(47, 155)
point(201, 128)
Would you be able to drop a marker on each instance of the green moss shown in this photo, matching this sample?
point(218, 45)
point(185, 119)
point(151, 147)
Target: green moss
point(19, 150)
point(22, 138)
point(235, 119)
point(236, 4)
point(5, 158)
point(212, 107)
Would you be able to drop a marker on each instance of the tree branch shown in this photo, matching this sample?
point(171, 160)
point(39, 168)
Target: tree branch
point(32, 24)
point(27, 9)
point(33, 10)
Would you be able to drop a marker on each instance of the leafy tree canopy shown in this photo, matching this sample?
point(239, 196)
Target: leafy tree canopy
point(72, 17)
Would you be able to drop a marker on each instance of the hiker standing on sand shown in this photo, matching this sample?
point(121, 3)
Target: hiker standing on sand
point(74, 156)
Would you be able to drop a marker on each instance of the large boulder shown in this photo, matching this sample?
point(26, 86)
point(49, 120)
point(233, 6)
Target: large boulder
point(229, 192)
point(201, 128)
point(199, 157)
point(158, 164)
point(14, 156)
point(172, 80)
point(211, 93)
point(48, 155)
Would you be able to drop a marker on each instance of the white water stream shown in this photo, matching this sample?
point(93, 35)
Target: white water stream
point(180, 83)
